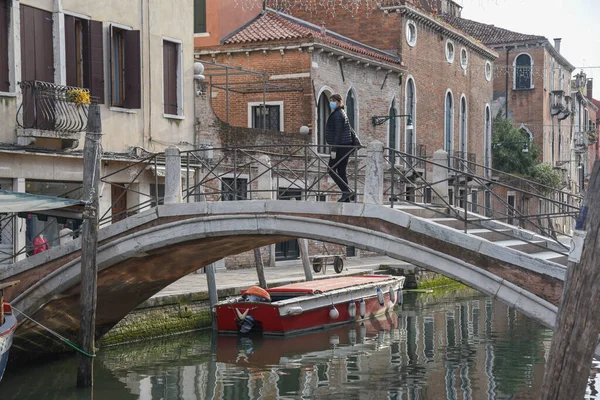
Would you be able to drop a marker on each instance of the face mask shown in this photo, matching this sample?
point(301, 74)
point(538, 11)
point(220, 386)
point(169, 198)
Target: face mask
point(333, 105)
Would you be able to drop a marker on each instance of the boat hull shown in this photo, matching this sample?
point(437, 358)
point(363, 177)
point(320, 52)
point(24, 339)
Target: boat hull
point(7, 331)
point(311, 312)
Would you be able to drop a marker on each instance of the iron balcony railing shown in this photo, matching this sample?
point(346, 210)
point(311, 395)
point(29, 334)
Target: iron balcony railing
point(50, 107)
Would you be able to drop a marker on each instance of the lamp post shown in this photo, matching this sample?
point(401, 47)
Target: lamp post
point(381, 119)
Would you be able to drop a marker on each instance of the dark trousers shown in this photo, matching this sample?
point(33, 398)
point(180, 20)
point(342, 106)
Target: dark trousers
point(337, 168)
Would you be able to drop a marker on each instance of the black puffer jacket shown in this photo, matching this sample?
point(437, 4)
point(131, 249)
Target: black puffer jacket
point(338, 129)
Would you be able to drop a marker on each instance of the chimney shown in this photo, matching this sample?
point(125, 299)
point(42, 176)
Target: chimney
point(557, 44)
point(590, 87)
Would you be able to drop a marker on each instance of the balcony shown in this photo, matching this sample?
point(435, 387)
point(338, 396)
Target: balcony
point(51, 114)
point(559, 106)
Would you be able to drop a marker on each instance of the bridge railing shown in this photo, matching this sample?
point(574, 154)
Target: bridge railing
point(457, 186)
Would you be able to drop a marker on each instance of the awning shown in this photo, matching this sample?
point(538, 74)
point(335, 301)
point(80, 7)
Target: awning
point(16, 202)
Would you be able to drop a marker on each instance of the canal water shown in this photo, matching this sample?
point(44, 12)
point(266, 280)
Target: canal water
point(457, 345)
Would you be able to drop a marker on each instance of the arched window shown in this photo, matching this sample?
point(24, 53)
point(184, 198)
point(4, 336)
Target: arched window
point(323, 111)
point(523, 69)
point(487, 140)
point(449, 123)
point(410, 107)
point(392, 132)
point(351, 109)
point(462, 141)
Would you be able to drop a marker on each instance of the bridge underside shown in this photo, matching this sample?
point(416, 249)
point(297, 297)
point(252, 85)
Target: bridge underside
point(140, 256)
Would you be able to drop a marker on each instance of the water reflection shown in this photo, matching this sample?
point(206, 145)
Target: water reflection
point(458, 346)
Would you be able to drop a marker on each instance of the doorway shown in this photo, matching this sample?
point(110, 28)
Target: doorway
point(288, 250)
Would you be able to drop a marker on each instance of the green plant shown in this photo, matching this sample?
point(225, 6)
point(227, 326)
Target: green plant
point(512, 150)
point(544, 174)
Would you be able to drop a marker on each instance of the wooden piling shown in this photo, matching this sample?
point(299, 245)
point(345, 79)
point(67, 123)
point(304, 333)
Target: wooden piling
point(89, 241)
point(260, 268)
point(578, 320)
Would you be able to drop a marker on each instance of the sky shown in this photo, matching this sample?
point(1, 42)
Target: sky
point(577, 22)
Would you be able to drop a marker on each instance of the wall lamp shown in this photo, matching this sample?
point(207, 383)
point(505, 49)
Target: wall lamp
point(381, 119)
point(524, 143)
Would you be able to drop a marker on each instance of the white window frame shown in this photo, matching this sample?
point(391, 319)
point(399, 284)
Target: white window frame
point(406, 111)
point(531, 62)
point(488, 74)
point(397, 132)
point(108, 67)
point(266, 103)
point(464, 145)
point(413, 42)
point(179, 44)
point(446, 121)
point(487, 139)
point(328, 92)
point(450, 57)
point(356, 109)
point(464, 51)
point(14, 50)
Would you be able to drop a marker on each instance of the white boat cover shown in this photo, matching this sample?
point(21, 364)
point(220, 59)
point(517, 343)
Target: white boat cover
point(15, 202)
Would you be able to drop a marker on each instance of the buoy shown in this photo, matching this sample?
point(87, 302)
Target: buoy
point(295, 310)
point(333, 313)
point(352, 309)
point(380, 296)
point(362, 308)
point(392, 295)
point(352, 336)
point(400, 295)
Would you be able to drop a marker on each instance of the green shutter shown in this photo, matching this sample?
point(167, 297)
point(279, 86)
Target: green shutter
point(199, 16)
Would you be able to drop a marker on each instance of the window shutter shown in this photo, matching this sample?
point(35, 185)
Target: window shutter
point(133, 92)
point(96, 65)
point(43, 40)
point(4, 79)
point(70, 51)
point(170, 58)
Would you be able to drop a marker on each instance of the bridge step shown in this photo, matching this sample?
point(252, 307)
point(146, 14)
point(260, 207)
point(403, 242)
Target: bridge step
point(455, 223)
point(492, 236)
point(525, 247)
point(419, 211)
point(552, 256)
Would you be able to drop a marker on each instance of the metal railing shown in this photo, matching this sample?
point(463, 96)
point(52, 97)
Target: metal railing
point(477, 194)
point(47, 107)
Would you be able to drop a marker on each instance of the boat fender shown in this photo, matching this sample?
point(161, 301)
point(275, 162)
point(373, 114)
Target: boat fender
point(362, 308)
point(392, 295)
point(400, 296)
point(334, 340)
point(380, 297)
point(295, 310)
point(352, 336)
point(333, 313)
point(352, 309)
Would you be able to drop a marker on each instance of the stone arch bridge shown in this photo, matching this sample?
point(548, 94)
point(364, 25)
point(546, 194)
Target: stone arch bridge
point(139, 256)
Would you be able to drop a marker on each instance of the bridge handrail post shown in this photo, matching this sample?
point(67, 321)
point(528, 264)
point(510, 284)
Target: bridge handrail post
point(440, 175)
point(265, 178)
point(374, 174)
point(172, 175)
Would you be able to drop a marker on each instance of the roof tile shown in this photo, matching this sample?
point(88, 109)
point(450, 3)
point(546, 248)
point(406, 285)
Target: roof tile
point(272, 26)
point(488, 34)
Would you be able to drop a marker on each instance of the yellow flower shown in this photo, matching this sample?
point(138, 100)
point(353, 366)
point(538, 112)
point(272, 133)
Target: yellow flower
point(78, 96)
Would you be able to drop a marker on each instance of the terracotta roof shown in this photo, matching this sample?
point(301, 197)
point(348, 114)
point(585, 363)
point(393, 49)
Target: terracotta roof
point(276, 26)
point(488, 34)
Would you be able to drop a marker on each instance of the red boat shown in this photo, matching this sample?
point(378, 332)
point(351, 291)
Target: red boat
point(8, 324)
point(306, 306)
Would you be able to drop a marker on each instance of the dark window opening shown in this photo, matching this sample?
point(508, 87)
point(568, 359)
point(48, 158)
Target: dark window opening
point(350, 111)
point(234, 189)
point(4, 24)
point(266, 117)
point(199, 16)
point(523, 72)
point(160, 194)
point(125, 68)
point(170, 77)
point(392, 142)
point(511, 200)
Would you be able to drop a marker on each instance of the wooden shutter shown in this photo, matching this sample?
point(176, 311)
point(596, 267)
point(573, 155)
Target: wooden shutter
point(170, 58)
point(44, 61)
point(27, 44)
point(133, 76)
point(96, 69)
point(4, 79)
point(70, 51)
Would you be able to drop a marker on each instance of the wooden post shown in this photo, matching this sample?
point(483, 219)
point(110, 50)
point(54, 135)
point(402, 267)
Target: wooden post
point(213, 295)
point(89, 240)
point(303, 246)
point(578, 320)
point(260, 268)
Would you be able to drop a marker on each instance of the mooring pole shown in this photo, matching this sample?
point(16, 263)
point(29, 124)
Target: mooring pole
point(260, 268)
point(89, 240)
point(578, 319)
